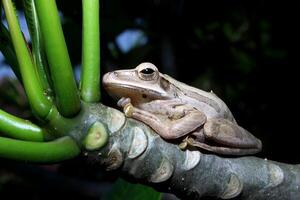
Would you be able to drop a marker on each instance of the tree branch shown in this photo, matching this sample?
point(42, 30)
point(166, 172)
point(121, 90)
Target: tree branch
point(141, 154)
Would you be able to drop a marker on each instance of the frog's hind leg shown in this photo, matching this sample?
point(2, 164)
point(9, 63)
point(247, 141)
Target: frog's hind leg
point(230, 134)
point(231, 137)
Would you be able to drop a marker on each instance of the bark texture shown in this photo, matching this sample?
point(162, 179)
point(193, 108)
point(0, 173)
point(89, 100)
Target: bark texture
point(141, 154)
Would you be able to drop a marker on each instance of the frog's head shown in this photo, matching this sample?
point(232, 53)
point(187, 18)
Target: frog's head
point(141, 84)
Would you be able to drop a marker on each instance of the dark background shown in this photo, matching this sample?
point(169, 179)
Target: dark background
point(247, 52)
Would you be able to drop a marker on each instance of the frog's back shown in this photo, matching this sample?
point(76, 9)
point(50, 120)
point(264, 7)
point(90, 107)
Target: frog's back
point(207, 102)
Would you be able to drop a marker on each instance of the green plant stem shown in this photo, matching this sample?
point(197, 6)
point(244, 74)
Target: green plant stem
point(38, 101)
point(38, 53)
point(7, 49)
point(67, 98)
point(18, 128)
point(90, 77)
point(42, 152)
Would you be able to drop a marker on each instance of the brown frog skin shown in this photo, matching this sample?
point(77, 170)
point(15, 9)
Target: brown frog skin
point(176, 110)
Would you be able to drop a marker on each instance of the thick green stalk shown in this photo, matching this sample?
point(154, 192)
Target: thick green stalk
point(67, 98)
point(38, 53)
point(38, 101)
point(7, 49)
point(90, 77)
point(18, 128)
point(41, 152)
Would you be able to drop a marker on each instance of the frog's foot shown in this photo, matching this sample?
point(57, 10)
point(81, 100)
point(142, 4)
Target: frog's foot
point(192, 142)
point(184, 144)
point(128, 108)
point(218, 149)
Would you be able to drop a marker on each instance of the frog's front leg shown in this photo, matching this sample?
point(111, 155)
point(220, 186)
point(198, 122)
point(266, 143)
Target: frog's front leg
point(169, 128)
point(170, 122)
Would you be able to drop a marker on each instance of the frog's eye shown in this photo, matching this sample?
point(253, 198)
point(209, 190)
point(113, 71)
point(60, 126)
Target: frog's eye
point(147, 72)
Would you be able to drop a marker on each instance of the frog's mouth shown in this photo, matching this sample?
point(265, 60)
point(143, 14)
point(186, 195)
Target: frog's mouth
point(117, 91)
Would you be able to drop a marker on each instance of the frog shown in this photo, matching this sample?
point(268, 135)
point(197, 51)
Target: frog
point(177, 111)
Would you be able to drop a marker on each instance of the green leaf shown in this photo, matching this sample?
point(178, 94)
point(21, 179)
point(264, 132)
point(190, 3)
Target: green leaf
point(122, 190)
point(7, 49)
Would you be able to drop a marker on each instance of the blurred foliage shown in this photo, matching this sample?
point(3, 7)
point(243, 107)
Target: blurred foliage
point(245, 51)
point(13, 98)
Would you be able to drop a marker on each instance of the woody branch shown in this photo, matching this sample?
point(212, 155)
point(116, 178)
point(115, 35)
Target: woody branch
point(143, 156)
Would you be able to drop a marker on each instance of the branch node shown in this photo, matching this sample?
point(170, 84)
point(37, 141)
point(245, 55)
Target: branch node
point(139, 143)
point(233, 188)
point(276, 175)
point(164, 172)
point(114, 159)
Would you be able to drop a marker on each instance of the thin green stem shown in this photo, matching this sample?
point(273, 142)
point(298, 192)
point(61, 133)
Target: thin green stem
point(38, 101)
point(42, 152)
point(90, 77)
point(7, 49)
point(38, 52)
point(18, 128)
point(67, 98)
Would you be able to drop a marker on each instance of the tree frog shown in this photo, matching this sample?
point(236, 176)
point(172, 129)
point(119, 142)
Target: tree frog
point(178, 111)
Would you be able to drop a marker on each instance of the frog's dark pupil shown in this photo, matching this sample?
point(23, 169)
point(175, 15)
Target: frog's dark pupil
point(147, 71)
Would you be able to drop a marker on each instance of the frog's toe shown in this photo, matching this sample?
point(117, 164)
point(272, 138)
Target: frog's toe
point(183, 145)
point(128, 110)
